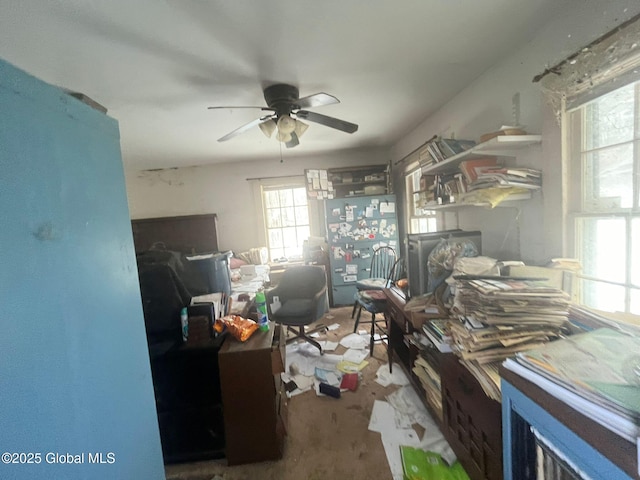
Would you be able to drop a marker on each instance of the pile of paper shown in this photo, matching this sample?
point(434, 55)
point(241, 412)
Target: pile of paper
point(498, 176)
point(597, 373)
point(500, 316)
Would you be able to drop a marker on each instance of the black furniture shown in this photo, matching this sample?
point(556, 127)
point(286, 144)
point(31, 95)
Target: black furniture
point(374, 301)
point(302, 292)
point(382, 261)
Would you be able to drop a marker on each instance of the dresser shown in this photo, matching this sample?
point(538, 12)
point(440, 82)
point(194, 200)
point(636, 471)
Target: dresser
point(254, 403)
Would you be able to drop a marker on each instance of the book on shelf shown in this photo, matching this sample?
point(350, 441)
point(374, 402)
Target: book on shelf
point(441, 344)
point(470, 168)
point(453, 147)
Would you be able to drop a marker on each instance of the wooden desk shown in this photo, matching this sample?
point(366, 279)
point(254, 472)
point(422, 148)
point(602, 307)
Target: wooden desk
point(253, 398)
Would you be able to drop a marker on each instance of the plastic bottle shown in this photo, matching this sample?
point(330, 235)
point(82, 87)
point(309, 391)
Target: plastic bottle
point(184, 320)
point(261, 307)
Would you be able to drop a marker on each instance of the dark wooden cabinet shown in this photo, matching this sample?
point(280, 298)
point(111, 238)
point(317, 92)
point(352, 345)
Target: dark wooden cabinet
point(403, 347)
point(188, 402)
point(470, 421)
point(253, 399)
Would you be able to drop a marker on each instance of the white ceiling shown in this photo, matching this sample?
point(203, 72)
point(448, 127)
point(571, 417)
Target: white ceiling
point(156, 65)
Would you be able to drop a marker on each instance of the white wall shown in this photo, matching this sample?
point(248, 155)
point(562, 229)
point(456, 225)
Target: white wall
point(223, 189)
point(535, 232)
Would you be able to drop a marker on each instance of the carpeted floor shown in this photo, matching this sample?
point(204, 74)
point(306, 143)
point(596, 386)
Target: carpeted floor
point(327, 438)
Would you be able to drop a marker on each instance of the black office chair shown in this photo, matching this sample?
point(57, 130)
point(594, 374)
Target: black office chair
point(375, 302)
point(302, 292)
point(382, 262)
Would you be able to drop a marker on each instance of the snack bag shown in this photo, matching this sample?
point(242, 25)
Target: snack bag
point(240, 328)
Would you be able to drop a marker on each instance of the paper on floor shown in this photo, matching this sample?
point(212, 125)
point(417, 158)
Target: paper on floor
point(305, 357)
point(397, 377)
point(355, 356)
point(349, 367)
point(392, 423)
point(384, 419)
point(328, 346)
point(406, 400)
point(353, 340)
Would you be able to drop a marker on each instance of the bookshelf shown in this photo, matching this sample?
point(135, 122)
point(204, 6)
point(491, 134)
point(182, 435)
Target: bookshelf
point(500, 146)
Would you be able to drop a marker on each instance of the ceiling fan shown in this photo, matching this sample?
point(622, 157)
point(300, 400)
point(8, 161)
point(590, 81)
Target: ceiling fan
point(286, 109)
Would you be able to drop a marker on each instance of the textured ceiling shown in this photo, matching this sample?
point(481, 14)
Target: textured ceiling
point(157, 65)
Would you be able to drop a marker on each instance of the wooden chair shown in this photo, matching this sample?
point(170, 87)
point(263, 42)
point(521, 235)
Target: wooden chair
point(375, 302)
point(382, 262)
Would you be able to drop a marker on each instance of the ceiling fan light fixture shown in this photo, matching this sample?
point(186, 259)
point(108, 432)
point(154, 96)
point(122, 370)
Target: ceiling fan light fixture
point(283, 137)
point(300, 128)
point(286, 124)
point(268, 127)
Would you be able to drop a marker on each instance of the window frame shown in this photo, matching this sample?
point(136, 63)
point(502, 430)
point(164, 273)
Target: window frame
point(580, 210)
point(289, 185)
point(417, 223)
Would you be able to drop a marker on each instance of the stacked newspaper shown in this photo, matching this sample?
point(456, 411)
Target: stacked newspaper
point(496, 317)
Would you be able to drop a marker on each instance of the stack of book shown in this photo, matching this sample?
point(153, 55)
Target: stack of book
point(597, 373)
point(496, 317)
point(438, 332)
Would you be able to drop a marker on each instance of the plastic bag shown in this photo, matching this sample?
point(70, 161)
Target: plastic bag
point(240, 328)
point(442, 257)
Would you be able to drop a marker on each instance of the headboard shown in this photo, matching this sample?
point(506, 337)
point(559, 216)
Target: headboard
point(188, 234)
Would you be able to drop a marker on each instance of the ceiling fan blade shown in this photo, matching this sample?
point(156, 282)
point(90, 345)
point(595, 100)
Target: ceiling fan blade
point(229, 108)
point(332, 122)
point(244, 128)
point(294, 141)
point(316, 100)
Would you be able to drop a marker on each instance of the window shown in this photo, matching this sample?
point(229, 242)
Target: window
point(420, 219)
point(604, 199)
point(286, 217)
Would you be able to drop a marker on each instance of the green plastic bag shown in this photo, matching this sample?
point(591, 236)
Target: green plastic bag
point(419, 464)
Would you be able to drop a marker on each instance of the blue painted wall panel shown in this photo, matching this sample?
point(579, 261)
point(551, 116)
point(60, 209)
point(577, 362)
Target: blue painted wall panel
point(74, 375)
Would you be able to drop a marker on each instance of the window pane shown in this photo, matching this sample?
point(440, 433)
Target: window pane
point(286, 197)
point(300, 196)
point(303, 234)
point(273, 218)
point(288, 217)
point(609, 178)
point(288, 222)
point(289, 237)
point(602, 296)
point(275, 238)
point(602, 248)
point(271, 199)
point(610, 118)
point(302, 215)
point(277, 253)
